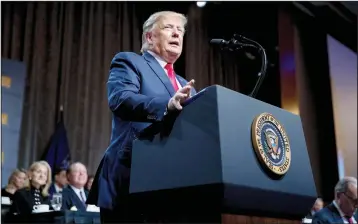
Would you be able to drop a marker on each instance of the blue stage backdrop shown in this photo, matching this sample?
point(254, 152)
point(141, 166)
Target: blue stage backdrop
point(13, 74)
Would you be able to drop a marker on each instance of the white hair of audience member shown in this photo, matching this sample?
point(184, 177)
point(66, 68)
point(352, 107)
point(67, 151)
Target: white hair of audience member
point(153, 20)
point(342, 185)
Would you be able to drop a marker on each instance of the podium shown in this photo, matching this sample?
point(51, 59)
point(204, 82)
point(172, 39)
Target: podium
point(227, 157)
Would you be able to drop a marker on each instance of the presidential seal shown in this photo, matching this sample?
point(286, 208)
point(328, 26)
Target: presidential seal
point(271, 144)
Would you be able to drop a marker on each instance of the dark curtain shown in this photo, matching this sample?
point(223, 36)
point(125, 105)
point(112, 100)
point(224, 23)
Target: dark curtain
point(68, 47)
point(204, 63)
point(208, 65)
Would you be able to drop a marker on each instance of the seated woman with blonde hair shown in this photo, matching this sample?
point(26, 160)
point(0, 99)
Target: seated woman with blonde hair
point(16, 181)
point(35, 191)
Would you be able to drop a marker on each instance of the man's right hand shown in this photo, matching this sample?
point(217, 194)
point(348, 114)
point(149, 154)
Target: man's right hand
point(180, 96)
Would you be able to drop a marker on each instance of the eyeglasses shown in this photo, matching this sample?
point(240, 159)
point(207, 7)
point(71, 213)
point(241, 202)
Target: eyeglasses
point(354, 201)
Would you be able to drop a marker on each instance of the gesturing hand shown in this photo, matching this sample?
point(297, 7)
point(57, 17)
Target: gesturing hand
point(180, 96)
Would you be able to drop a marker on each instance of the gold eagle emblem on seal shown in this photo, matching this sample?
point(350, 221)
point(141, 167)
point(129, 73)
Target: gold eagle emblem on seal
point(271, 143)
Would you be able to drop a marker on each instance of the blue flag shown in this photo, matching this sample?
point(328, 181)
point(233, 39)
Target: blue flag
point(58, 153)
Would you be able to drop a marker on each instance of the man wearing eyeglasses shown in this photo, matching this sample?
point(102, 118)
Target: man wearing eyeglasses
point(343, 208)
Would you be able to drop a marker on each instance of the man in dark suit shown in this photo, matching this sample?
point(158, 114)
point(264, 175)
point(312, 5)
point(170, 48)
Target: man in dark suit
point(75, 195)
point(60, 182)
point(142, 89)
point(343, 208)
point(318, 205)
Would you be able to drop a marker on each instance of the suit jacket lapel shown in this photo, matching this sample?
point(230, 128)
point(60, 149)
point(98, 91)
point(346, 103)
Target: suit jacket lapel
point(183, 82)
point(76, 200)
point(159, 71)
point(335, 213)
point(86, 193)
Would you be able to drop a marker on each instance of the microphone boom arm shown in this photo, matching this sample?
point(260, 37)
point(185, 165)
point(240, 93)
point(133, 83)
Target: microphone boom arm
point(261, 75)
point(238, 42)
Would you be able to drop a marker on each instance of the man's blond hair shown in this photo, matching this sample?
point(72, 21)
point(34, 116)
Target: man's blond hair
point(153, 20)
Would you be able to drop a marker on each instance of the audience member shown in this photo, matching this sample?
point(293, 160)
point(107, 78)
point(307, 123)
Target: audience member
point(343, 208)
point(16, 181)
point(60, 181)
point(318, 205)
point(35, 191)
point(89, 182)
point(74, 195)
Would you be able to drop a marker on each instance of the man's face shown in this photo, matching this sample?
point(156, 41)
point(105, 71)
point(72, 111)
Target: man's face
point(166, 38)
point(348, 201)
point(61, 178)
point(318, 205)
point(78, 175)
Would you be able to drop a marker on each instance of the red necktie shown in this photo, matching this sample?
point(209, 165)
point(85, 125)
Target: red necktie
point(171, 75)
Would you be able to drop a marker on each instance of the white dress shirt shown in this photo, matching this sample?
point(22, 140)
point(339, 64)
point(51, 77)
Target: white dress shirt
point(57, 188)
point(342, 214)
point(163, 64)
point(312, 212)
point(77, 191)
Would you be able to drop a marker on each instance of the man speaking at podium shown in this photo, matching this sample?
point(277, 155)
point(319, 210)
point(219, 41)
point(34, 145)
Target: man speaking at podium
point(141, 90)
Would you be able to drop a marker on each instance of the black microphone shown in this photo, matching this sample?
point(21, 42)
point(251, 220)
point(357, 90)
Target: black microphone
point(231, 44)
point(219, 41)
point(238, 42)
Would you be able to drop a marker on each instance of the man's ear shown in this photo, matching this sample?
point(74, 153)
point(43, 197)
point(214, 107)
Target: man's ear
point(149, 37)
point(338, 195)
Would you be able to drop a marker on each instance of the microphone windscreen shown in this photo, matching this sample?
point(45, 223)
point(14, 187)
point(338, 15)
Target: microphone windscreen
point(217, 41)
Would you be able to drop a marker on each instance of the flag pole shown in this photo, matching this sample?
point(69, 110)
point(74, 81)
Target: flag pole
point(56, 149)
point(58, 112)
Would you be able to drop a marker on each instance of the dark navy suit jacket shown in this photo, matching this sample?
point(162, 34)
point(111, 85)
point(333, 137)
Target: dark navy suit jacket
point(52, 190)
point(70, 199)
point(138, 94)
point(329, 215)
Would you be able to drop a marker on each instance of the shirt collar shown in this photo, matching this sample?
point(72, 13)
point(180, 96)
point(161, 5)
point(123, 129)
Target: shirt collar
point(58, 188)
point(158, 58)
point(339, 210)
point(76, 189)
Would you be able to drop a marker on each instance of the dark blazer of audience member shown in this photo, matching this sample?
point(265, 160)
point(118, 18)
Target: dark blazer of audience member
point(343, 208)
point(75, 195)
point(35, 191)
point(60, 181)
point(16, 181)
